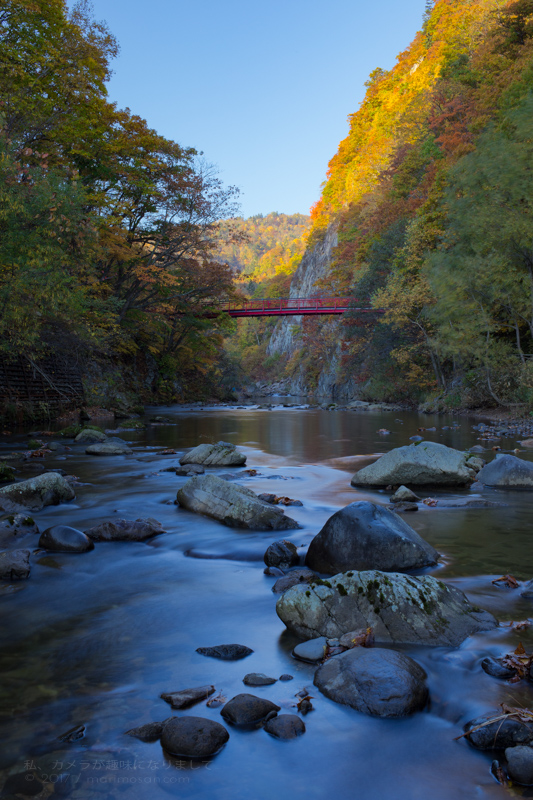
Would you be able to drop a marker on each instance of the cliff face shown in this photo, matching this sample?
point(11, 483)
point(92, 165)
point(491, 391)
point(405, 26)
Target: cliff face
point(314, 265)
point(287, 336)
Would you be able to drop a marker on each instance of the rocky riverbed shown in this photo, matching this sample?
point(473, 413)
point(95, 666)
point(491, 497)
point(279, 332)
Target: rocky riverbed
point(133, 603)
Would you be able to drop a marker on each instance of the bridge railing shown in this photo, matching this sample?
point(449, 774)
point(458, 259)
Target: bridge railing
point(289, 303)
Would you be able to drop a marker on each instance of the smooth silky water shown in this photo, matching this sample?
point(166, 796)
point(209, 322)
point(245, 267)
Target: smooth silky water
point(94, 639)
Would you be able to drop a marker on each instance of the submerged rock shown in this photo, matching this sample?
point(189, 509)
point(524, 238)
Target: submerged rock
point(188, 697)
point(399, 608)
point(48, 489)
point(124, 530)
point(64, 539)
point(235, 506)
point(367, 536)
point(422, 464)
point(285, 726)
point(282, 554)
point(247, 709)
point(221, 454)
point(189, 470)
point(193, 737)
point(379, 682)
point(14, 565)
point(226, 652)
point(109, 448)
point(507, 471)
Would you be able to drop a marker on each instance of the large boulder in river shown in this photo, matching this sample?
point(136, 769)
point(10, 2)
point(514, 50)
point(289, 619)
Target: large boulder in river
point(221, 454)
point(421, 464)
point(379, 682)
point(48, 489)
point(508, 472)
point(399, 608)
point(367, 536)
point(231, 504)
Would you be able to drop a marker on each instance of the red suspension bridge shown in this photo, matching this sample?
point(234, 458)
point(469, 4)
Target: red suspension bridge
point(293, 306)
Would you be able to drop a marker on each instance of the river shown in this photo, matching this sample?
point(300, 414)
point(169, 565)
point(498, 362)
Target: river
point(94, 639)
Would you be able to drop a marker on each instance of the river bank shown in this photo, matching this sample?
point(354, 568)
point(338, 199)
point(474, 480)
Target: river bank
point(93, 639)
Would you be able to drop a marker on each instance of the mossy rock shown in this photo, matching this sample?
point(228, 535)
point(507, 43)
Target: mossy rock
point(34, 444)
point(6, 473)
point(71, 431)
point(133, 423)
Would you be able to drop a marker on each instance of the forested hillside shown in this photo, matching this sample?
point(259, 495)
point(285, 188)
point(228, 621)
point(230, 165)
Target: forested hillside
point(431, 198)
point(262, 246)
point(107, 229)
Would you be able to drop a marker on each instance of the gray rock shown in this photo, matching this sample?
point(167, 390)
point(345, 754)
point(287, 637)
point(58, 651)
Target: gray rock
point(190, 470)
point(499, 734)
point(235, 506)
point(399, 608)
point(48, 489)
point(124, 530)
point(247, 709)
point(109, 448)
point(258, 679)
point(282, 554)
point(193, 737)
point(188, 697)
point(313, 651)
point(520, 764)
point(89, 436)
point(285, 726)
point(475, 463)
point(292, 578)
point(64, 539)
point(404, 495)
point(367, 536)
point(477, 448)
point(286, 677)
point(423, 464)
point(221, 454)
point(379, 682)
point(14, 565)
point(150, 732)
point(493, 667)
point(225, 652)
point(56, 447)
point(507, 471)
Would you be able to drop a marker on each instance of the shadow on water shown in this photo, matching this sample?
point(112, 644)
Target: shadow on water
point(95, 639)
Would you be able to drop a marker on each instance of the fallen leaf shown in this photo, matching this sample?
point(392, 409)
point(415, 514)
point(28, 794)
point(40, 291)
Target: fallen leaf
point(430, 501)
point(507, 580)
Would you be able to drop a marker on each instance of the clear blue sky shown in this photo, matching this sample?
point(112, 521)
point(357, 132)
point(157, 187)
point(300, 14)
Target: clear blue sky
point(263, 89)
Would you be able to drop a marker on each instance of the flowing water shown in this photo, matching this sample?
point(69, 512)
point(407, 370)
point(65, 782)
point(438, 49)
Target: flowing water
point(94, 639)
